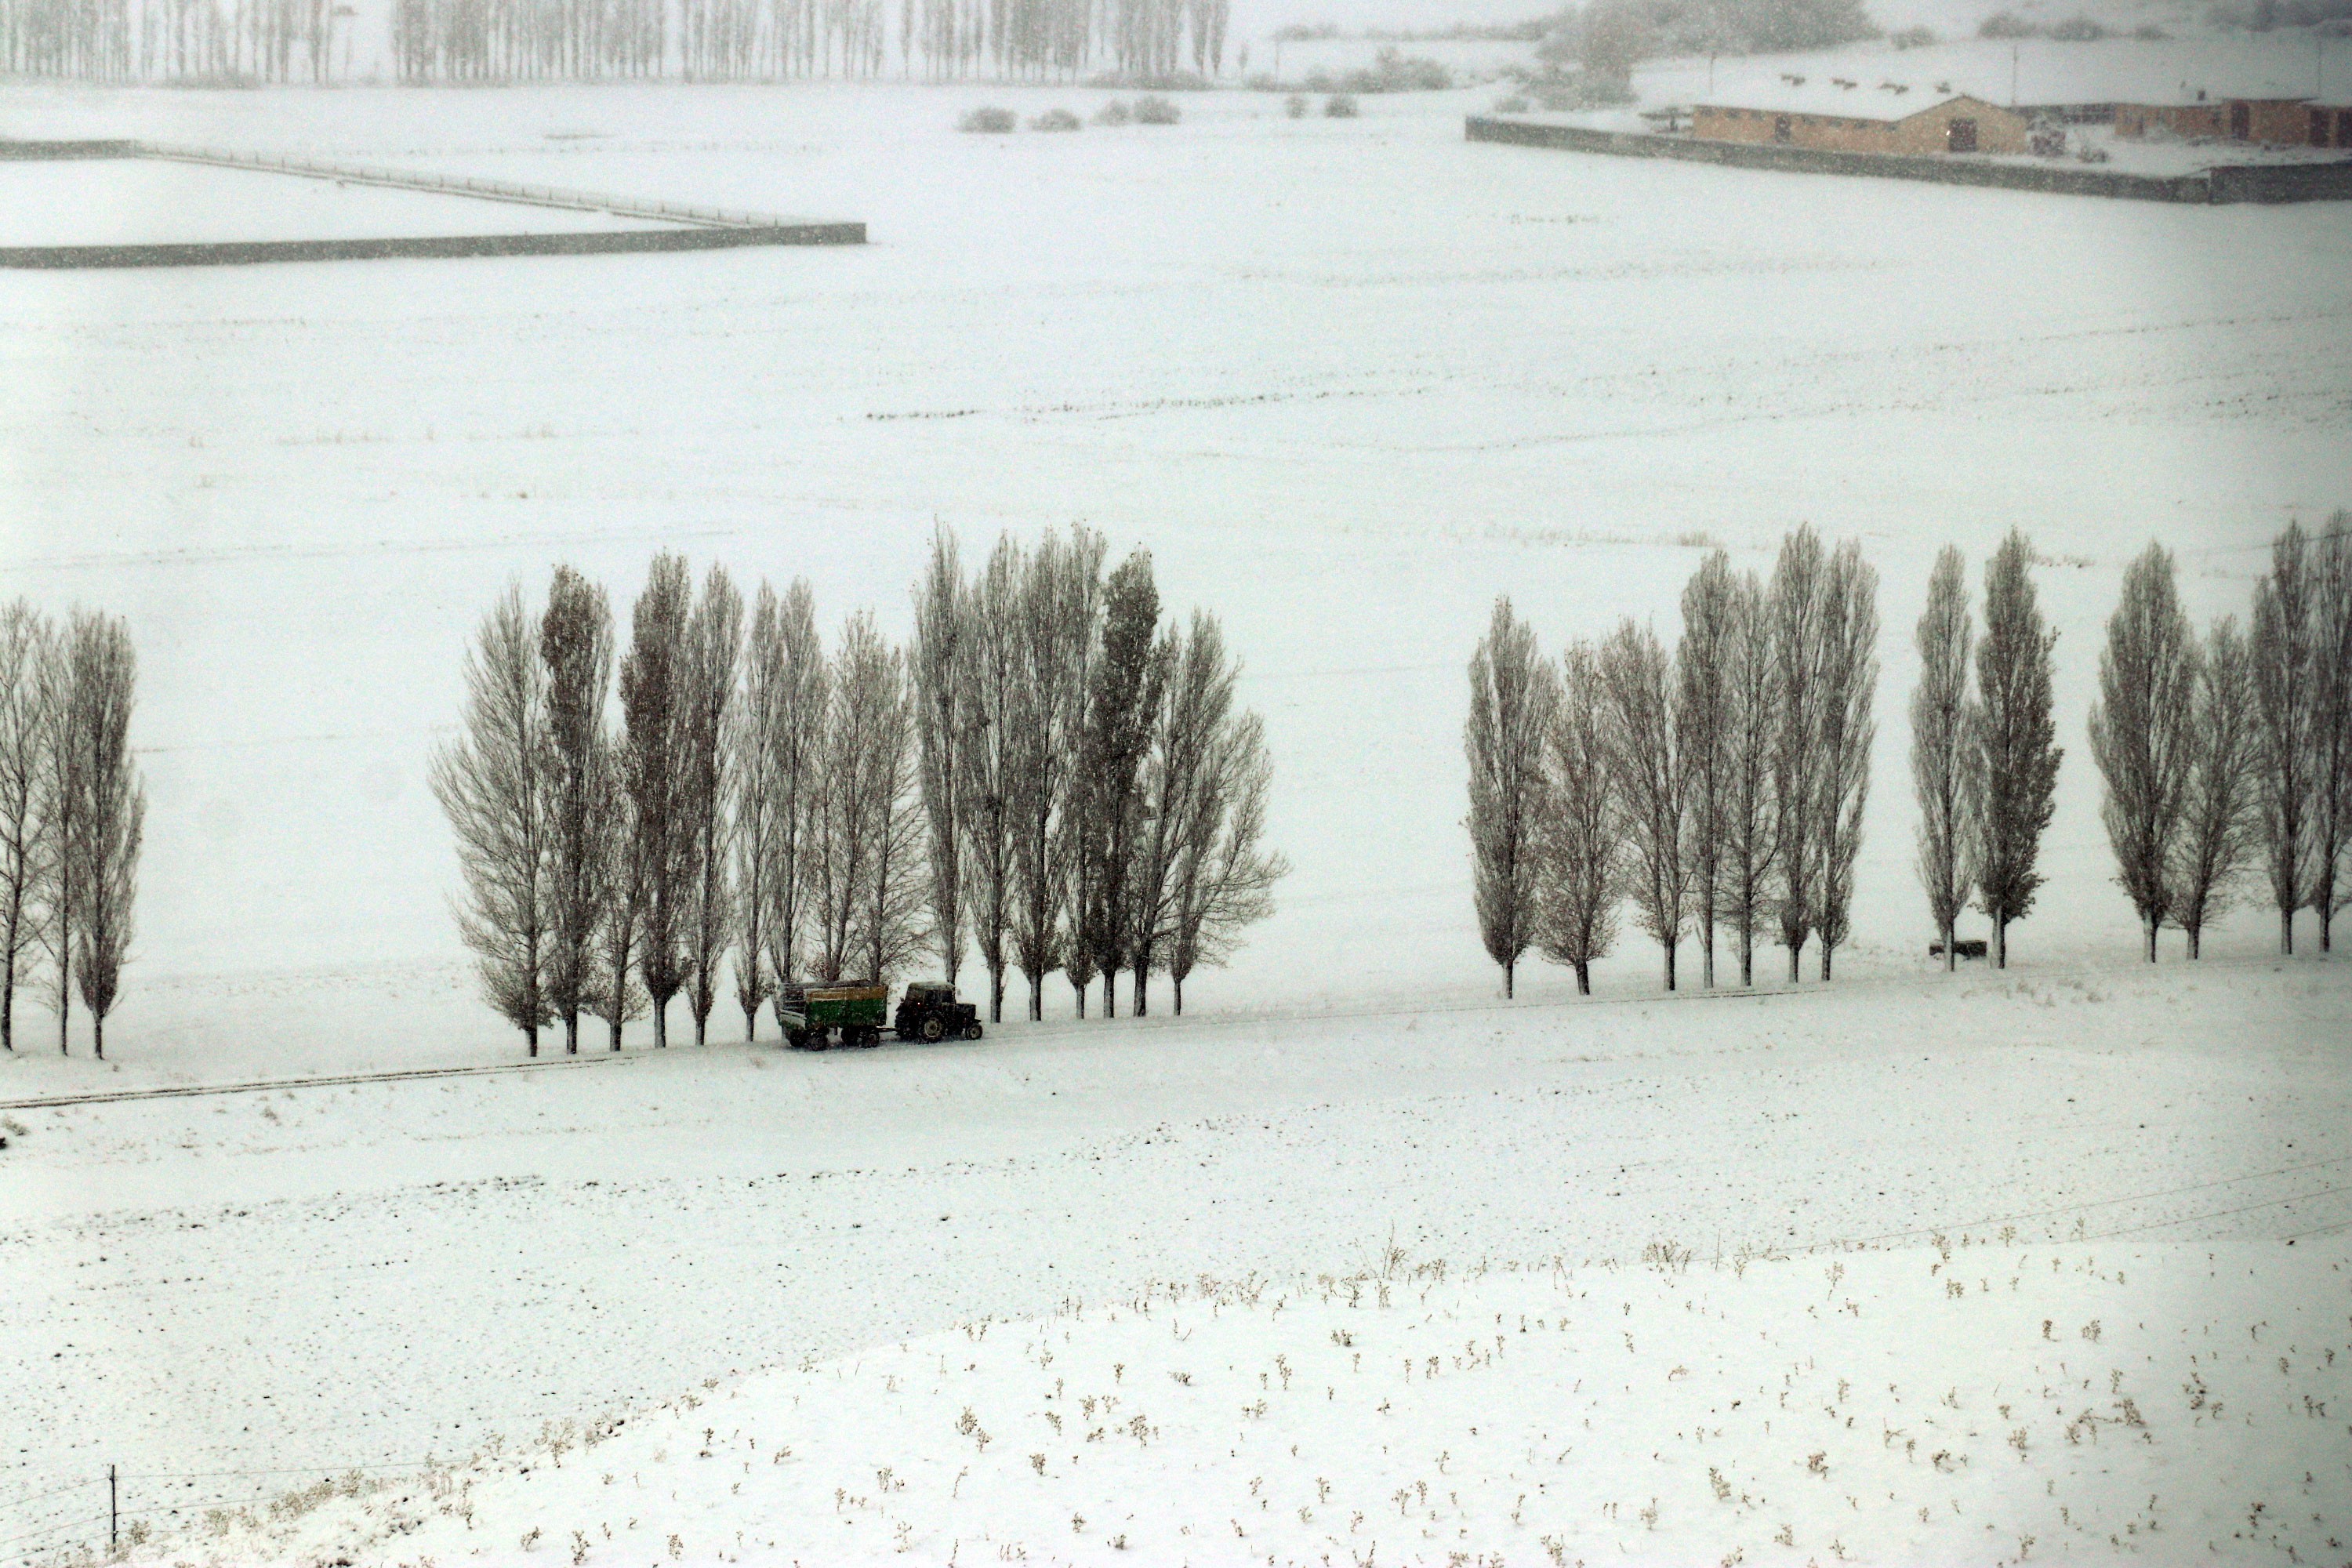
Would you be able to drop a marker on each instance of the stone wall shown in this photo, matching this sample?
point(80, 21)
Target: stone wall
point(2274, 182)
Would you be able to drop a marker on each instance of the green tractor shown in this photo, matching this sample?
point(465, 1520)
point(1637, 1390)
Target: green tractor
point(812, 1016)
point(929, 1012)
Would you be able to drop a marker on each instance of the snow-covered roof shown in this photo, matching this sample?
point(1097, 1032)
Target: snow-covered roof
point(1847, 95)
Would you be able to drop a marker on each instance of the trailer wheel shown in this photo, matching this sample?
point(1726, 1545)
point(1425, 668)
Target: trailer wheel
point(797, 1038)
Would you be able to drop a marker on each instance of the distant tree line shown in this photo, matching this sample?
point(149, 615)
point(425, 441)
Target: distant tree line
point(2231, 754)
point(170, 40)
point(1047, 776)
point(72, 813)
point(576, 40)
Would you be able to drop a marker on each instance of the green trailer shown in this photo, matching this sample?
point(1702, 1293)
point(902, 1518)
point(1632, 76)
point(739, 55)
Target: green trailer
point(814, 1014)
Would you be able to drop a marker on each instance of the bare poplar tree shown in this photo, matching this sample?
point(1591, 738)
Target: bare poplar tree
point(1513, 695)
point(1797, 592)
point(102, 856)
point(491, 782)
point(795, 757)
point(1750, 821)
point(1583, 874)
point(1944, 749)
point(1648, 763)
point(1703, 659)
point(2140, 733)
point(1060, 601)
point(757, 814)
point(575, 639)
point(2284, 693)
point(2016, 771)
point(1194, 699)
point(1225, 879)
point(1079, 853)
point(656, 701)
point(987, 759)
point(2331, 771)
point(1122, 705)
point(938, 663)
point(715, 648)
point(59, 807)
point(25, 727)
point(1849, 683)
point(869, 885)
point(617, 995)
point(2217, 817)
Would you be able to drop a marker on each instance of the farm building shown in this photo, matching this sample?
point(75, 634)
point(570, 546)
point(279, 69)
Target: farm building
point(1843, 115)
point(2278, 122)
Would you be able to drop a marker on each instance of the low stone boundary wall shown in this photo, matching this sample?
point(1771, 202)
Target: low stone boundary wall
point(232, 252)
point(699, 228)
point(2235, 183)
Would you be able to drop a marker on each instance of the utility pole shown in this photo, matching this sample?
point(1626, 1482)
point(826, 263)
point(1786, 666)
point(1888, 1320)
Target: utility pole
point(2012, 74)
point(113, 1512)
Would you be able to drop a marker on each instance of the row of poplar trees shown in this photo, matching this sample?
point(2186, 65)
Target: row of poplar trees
point(2231, 754)
point(1719, 788)
point(725, 40)
point(72, 813)
point(700, 40)
point(171, 40)
point(1047, 776)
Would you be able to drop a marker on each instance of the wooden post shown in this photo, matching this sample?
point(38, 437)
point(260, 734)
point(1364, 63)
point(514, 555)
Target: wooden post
point(113, 1512)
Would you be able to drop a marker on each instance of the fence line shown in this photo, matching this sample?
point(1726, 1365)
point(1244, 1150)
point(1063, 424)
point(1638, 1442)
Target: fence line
point(452, 184)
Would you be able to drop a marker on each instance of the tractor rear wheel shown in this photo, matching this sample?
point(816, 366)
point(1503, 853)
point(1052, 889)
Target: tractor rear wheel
point(934, 1030)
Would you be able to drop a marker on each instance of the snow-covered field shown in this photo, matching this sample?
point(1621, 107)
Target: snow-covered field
point(139, 202)
point(1348, 380)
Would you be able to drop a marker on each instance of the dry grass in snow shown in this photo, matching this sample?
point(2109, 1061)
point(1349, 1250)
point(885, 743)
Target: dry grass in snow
point(1970, 1402)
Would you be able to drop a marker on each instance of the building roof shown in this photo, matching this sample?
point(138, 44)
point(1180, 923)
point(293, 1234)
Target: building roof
point(1845, 97)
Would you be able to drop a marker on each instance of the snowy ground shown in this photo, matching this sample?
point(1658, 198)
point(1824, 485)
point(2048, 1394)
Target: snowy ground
point(2170, 1401)
point(232, 1298)
point(1348, 380)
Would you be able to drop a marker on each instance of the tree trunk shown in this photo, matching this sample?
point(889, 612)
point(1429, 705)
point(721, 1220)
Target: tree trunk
point(996, 994)
point(2001, 943)
point(661, 1024)
point(571, 1034)
point(2194, 933)
point(1670, 965)
point(1707, 957)
point(1036, 1001)
point(612, 1028)
point(65, 1008)
point(1826, 951)
point(2151, 941)
point(98, 1035)
point(2326, 918)
point(1138, 1001)
point(530, 1037)
point(1080, 993)
point(1508, 979)
point(699, 1021)
point(1110, 993)
point(8, 1013)
point(2286, 933)
point(1951, 951)
point(1178, 982)
point(1584, 980)
point(1796, 955)
point(750, 1026)
point(1746, 955)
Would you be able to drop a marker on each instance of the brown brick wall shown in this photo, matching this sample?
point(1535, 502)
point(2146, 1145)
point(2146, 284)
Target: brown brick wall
point(2279, 121)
